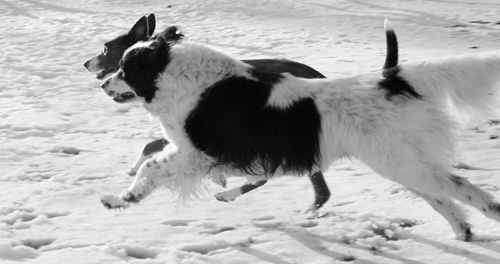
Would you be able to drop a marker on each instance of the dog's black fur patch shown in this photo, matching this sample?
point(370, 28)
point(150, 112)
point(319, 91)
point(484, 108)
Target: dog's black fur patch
point(141, 67)
point(247, 187)
point(396, 85)
point(393, 83)
point(233, 124)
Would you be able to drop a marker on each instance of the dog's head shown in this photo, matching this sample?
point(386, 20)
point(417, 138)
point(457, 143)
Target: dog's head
point(106, 62)
point(140, 68)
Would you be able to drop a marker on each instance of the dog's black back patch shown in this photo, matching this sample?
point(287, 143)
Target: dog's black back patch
point(142, 65)
point(233, 124)
point(396, 85)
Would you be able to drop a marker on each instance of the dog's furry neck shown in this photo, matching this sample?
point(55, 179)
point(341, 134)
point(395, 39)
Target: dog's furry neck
point(193, 67)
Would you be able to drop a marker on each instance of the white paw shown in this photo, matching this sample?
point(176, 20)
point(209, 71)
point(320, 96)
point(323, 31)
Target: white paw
point(113, 202)
point(223, 197)
point(132, 172)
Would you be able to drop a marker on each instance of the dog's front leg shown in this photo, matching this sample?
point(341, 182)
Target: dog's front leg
point(253, 182)
point(154, 173)
point(147, 152)
point(144, 183)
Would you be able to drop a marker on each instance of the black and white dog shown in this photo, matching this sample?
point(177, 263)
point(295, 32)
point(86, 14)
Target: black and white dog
point(106, 62)
point(225, 116)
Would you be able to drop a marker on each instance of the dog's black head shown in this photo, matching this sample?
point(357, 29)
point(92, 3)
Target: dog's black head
point(107, 61)
point(140, 67)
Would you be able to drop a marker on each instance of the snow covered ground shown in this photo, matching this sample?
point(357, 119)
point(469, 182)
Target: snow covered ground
point(63, 143)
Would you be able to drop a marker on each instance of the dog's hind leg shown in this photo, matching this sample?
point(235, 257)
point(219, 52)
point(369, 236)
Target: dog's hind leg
point(253, 182)
point(147, 152)
point(472, 195)
point(452, 213)
point(437, 189)
point(144, 183)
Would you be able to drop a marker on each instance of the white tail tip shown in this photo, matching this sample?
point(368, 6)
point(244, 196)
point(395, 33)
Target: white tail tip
point(388, 25)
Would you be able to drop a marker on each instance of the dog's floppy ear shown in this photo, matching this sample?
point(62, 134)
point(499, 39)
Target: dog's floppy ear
point(159, 44)
point(151, 24)
point(171, 34)
point(160, 49)
point(139, 31)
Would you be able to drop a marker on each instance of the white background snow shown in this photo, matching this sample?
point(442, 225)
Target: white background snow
point(63, 143)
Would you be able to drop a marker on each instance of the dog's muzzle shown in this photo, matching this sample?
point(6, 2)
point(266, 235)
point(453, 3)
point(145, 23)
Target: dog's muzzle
point(117, 97)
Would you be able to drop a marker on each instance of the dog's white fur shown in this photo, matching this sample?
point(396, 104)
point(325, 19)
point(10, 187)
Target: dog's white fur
point(407, 140)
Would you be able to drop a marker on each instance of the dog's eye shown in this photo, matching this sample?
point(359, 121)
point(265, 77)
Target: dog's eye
point(105, 50)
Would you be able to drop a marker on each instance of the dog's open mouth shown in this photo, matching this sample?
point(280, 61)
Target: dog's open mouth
point(102, 73)
point(122, 98)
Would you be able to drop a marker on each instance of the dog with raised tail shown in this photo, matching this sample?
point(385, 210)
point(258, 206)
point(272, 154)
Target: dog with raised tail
point(223, 115)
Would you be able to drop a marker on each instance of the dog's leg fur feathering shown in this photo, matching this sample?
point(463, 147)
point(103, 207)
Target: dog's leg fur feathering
point(183, 176)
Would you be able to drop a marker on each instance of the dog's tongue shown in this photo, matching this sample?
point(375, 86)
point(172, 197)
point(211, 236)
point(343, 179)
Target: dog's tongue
point(102, 73)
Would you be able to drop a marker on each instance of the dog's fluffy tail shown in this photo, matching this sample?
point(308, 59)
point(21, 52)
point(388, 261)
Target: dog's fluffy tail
point(392, 56)
point(469, 85)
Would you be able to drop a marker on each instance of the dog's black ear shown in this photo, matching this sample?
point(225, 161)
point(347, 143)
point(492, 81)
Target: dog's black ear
point(139, 32)
point(160, 50)
point(171, 34)
point(151, 24)
point(160, 44)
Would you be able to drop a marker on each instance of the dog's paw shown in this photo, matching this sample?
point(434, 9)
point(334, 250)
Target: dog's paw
point(113, 202)
point(224, 197)
point(465, 233)
point(131, 172)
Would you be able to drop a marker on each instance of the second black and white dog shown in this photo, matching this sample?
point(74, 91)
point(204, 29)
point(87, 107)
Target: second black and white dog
point(224, 116)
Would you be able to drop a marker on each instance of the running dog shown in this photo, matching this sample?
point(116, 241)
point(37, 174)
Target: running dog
point(223, 115)
point(106, 63)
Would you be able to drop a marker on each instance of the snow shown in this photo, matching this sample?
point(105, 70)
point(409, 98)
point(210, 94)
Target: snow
point(64, 144)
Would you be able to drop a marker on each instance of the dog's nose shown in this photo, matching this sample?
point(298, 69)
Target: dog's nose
point(104, 84)
point(86, 64)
